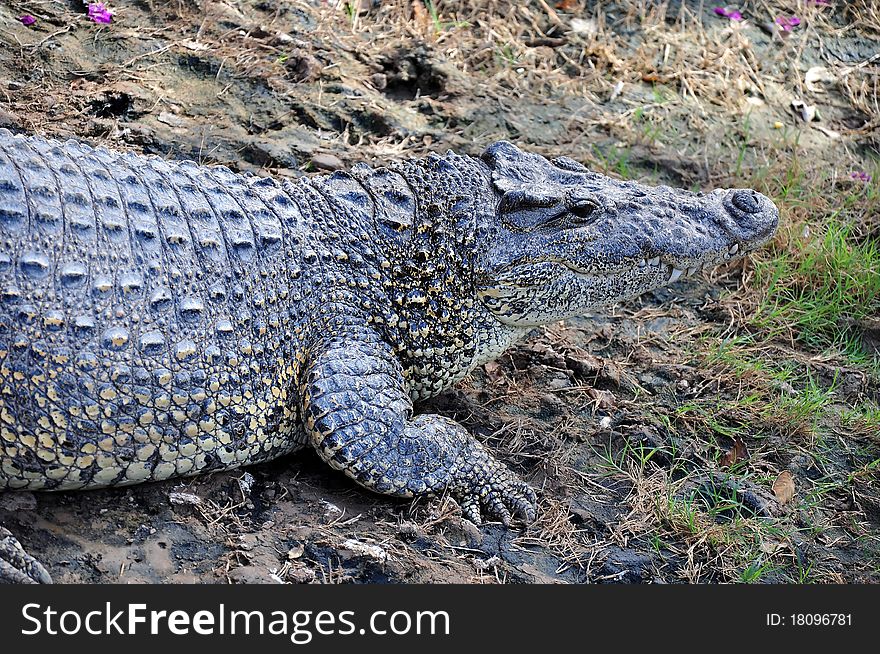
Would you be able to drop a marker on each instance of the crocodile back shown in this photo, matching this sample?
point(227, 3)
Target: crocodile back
point(142, 308)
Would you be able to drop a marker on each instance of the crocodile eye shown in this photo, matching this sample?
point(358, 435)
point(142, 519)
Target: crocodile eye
point(584, 210)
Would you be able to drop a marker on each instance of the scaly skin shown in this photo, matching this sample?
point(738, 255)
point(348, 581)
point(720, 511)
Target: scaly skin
point(160, 319)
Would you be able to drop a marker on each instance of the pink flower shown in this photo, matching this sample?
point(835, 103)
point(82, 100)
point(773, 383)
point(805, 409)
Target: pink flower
point(27, 19)
point(861, 176)
point(99, 13)
point(732, 14)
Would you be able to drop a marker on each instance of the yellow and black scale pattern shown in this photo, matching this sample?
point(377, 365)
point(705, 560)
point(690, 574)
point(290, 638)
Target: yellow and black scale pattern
point(160, 319)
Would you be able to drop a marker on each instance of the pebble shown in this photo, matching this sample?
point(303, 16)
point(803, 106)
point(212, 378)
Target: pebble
point(7, 119)
point(324, 161)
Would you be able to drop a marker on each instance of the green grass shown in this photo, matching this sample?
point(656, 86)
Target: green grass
point(822, 289)
point(440, 26)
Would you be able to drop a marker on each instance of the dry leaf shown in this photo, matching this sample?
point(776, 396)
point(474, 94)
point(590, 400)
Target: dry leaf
point(584, 27)
point(493, 371)
point(739, 452)
point(806, 112)
point(421, 16)
point(783, 487)
point(773, 546)
point(605, 400)
point(817, 74)
point(195, 46)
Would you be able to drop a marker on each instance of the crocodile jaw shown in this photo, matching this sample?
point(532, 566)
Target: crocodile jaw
point(567, 240)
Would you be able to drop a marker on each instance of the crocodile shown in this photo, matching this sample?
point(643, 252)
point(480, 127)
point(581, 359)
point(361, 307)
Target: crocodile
point(162, 318)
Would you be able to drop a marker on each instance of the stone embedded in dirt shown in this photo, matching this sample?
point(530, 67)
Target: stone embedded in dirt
point(181, 498)
point(379, 80)
point(173, 120)
point(870, 332)
point(302, 67)
point(358, 548)
point(300, 574)
point(7, 119)
point(269, 153)
point(295, 552)
point(326, 161)
point(605, 400)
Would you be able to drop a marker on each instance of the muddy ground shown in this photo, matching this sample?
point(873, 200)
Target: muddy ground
point(651, 466)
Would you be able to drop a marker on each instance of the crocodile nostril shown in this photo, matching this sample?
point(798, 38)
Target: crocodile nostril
point(746, 200)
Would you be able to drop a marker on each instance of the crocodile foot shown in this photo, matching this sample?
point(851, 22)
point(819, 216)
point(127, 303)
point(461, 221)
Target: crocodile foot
point(16, 565)
point(484, 485)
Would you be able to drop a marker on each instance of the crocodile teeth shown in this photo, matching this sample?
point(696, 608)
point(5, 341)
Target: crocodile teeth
point(734, 249)
point(654, 262)
point(676, 273)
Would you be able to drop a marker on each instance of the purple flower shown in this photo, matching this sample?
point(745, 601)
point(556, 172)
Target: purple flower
point(27, 19)
point(861, 176)
point(732, 14)
point(787, 24)
point(99, 13)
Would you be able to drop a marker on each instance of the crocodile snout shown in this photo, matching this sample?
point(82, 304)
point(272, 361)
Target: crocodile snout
point(749, 216)
point(746, 200)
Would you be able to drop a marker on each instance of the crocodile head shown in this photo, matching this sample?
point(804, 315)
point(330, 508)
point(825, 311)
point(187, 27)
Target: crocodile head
point(565, 240)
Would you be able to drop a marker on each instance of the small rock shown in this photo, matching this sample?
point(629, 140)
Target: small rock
point(325, 161)
point(301, 575)
point(330, 510)
point(379, 80)
point(408, 531)
point(558, 383)
point(482, 565)
point(252, 575)
point(365, 549)
point(184, 498)
point(295, 552)
point(247, 542)
point(806, 112)
point(584, 27)
point(303, 67)
point(7, 119)
point(171, 119)
point(246, 483)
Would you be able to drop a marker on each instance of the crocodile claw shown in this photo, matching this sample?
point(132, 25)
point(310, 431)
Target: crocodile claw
point(16, 565)
point(503, 497)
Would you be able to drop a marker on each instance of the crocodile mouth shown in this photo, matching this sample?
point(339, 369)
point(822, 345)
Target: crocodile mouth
point(657, 267)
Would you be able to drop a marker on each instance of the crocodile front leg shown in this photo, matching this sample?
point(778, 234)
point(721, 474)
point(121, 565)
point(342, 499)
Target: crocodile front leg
point(16, 565)
point(358, 415)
